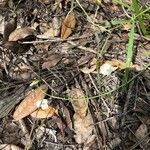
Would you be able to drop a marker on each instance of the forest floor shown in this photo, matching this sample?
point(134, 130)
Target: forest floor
point(74, 75)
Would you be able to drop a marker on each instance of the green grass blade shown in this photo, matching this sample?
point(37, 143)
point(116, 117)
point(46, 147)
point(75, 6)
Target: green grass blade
point(139, 16)
point(129, 51)
point(122, 4)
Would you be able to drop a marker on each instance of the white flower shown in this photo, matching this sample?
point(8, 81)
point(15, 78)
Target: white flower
point(43, 104)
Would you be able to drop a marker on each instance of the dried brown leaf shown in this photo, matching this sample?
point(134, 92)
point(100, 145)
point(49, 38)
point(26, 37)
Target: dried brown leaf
point(9, 147)
point(68, 26)
point(121, 65)
point(21, 33)
point(91, 68)
point(51, 61)
point(82, 118)
point(78, 101)
point(83, 128)
point(46, 113)
point(116, 63)
point(28, 105)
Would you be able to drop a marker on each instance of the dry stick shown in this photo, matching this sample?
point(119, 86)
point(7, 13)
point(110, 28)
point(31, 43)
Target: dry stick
point(82, 47)
point(56, 40)
point(61, 145)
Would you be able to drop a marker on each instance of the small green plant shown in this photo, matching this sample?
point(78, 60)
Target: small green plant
point(129, 50)
point(138, 16)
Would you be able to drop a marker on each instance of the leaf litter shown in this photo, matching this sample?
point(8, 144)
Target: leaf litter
point(59, 44)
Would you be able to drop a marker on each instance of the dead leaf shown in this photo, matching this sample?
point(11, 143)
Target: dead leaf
point(67, 26)
point(9, 147)
point(111, 65)
point(51, 61)
point(28, 105)
point(116, 63)
point(56, 24)
point(83, 128)
point(78, 101)
point(82, 118)
point(46, 113)
point(21, 33)
point(141, 131)
point(91, 68)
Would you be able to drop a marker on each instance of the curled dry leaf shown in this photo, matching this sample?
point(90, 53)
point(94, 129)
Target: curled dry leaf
point(111, 65)
point(9, 147)
point(21, 33)
point(46, 113)
point(28, 105)
point(51, 61)
point(67, 26)
point(82, 118)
